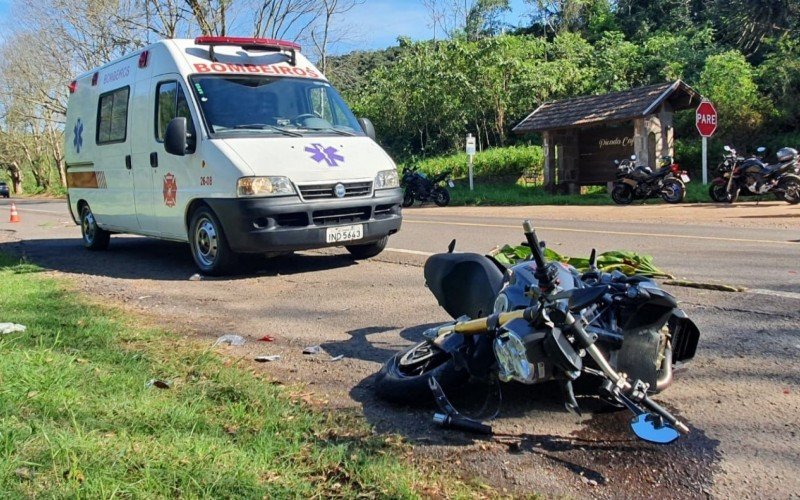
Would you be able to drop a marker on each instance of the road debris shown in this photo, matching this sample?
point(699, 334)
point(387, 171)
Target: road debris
point(337, 358)
point(11, 328)
point(267, 359)
point(314, 349)
point(234, 340)
point(196, 277)
point(266, 338)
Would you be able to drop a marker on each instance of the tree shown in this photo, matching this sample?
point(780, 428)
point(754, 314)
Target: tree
point(728, 81)
point(473, 19)
point(323, 32)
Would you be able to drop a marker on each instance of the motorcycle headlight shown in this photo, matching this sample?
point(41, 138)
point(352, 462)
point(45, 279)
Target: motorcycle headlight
point(512, 358)
point(264, 186)
point(387, 179)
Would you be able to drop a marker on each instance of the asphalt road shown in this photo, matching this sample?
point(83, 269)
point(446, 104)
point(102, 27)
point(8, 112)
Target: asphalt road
point(741, 394)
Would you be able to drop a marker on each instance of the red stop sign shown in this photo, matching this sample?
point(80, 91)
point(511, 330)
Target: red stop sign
point(706, 119)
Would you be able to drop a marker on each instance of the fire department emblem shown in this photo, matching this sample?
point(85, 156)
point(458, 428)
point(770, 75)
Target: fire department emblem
point(170, 190)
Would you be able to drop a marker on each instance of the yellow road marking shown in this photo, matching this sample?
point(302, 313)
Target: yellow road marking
point(592, 231)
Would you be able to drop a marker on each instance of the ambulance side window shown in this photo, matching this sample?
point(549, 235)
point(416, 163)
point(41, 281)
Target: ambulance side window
point(171, 103)
point(112, 116)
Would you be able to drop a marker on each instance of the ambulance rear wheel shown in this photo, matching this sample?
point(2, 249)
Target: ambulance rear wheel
point(208, 243)
point(94, 237)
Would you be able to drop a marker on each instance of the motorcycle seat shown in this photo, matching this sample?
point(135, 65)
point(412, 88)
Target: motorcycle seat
point(463, 283)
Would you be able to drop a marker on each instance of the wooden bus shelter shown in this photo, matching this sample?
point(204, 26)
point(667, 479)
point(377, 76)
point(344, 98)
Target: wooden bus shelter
point(584, 135)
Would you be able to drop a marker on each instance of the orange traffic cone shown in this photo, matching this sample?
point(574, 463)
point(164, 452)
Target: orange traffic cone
point(14, 214)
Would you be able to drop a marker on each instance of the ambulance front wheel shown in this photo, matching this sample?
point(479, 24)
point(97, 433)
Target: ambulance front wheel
point(208, 243)
point(94, 237)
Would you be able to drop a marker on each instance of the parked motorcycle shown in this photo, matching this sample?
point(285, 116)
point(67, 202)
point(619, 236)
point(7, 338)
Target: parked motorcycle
point(641, 183)
point(543, 322)
point(421, 188)
point(752, 177)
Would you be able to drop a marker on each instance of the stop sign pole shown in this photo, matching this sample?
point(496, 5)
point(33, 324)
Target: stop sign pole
point(706, 123)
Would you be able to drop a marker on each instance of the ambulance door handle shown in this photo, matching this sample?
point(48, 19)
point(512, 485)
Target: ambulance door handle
point(128, 162)
point(154, 159)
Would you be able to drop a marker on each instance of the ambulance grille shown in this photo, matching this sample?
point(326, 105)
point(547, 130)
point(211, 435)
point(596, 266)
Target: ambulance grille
point(341, 216)
point(326, 191)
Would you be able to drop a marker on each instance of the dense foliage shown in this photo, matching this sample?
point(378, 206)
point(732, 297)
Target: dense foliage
point(424, 97)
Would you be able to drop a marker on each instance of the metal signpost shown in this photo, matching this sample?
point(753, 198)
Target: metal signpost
point(471, 155)
point(706, 123)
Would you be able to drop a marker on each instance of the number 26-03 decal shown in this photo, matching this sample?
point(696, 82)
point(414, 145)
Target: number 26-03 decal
point(206, 181)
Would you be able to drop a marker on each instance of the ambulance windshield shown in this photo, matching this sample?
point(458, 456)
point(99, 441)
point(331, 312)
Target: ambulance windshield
point(246, 105)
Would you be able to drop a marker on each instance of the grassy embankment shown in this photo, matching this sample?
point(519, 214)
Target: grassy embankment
point(498, 180)
point(77, 420)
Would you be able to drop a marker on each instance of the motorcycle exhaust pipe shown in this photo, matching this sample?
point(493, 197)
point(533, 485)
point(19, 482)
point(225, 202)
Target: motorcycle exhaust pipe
point(665, 375)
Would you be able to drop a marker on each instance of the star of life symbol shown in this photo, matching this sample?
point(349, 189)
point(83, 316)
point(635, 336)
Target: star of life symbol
point(77, 141)
point(329, 155)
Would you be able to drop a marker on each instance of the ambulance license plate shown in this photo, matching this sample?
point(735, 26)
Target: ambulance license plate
point(345, 233)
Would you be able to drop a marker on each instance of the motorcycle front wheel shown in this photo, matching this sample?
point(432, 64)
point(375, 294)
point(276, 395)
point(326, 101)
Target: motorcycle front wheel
point(673, 191)
point(404, 378)
point(441, 197)
point(622, 194)
point(718, 193)
point(408, 198)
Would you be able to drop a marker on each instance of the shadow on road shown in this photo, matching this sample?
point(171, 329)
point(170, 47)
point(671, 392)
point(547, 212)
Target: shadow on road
point(145, 258)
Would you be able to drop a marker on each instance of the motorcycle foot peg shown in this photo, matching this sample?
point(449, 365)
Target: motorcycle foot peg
point(461, 424)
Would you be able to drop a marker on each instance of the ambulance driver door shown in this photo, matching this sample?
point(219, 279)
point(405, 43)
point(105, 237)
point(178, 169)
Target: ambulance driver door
point(175, 178)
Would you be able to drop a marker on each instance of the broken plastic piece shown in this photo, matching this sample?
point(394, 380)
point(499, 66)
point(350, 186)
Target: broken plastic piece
point(314, 349)
point(337, 358)
point(266, 338)
point(267, 359)
point(234, 340)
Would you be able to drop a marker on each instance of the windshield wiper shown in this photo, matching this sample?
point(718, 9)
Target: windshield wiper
point(265, 126)
point(331, 129)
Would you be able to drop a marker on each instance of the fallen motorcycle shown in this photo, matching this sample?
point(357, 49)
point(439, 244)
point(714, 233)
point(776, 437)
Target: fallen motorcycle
point(543, 322)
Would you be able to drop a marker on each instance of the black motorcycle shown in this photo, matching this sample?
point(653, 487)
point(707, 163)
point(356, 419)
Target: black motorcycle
point(638, 182)
point(421, 188)
point(545, 322)
point(752, 177)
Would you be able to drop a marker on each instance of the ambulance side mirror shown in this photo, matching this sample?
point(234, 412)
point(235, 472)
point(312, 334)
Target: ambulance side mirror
point(175, 137)
point(367, 127)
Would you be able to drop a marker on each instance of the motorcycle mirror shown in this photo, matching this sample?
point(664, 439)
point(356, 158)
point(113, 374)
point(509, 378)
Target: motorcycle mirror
point(652, 429)
point(616, 162)
point(633, 157)
point(761, 149)
point(727, 148)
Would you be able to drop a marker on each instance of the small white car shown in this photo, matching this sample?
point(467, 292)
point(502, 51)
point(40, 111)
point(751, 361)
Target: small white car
point(234, 145)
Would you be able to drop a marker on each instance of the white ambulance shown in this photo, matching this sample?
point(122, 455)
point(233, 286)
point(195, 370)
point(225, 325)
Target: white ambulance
point(234, 145)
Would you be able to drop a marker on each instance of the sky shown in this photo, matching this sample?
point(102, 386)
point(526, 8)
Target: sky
point(376, 23)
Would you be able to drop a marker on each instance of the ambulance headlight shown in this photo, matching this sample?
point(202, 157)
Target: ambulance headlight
point(387, 179)
point(264, 186)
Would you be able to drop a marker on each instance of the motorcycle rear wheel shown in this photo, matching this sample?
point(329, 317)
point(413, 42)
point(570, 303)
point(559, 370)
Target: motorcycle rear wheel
point(622, 194)
point(673, 191)
point(404, 378)
point(791, 191)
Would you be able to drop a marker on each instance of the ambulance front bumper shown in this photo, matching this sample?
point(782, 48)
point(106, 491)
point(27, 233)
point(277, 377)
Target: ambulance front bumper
point(255, 225)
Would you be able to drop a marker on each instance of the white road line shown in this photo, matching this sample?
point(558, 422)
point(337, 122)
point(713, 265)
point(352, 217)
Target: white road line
point(775, 293)
point(758, 291)
point(592, 231)
point(410, 252)
point(22, 211)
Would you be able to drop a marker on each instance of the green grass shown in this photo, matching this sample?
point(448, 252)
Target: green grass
point(517, 194)
point(76, 419)
point(494, 194)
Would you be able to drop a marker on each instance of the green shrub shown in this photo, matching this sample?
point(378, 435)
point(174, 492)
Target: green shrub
point(495, 162)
